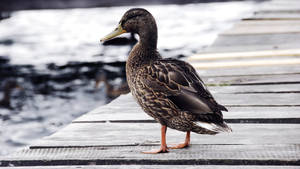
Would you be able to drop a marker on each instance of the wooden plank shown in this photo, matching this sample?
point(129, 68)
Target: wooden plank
point(264, 27)
point(269, 100)
point(244, 89)
point(261, 70)
point(259, 39)
point(267, 23)
point(247, 54)
point(132, 111)
point(250, 47)
point(271, 15)
point(252, 63)
point(160, 167)
point(194, 155)
point(262, 112)
point(283, 99)
point(132, 115)
point(121, 134)
point(255, 42)
point(280, 6)
point(253, 80)
point(287, 2)
point(286, 99)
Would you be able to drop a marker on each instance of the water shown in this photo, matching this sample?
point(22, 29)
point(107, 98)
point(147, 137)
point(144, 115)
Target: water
point(56, 37)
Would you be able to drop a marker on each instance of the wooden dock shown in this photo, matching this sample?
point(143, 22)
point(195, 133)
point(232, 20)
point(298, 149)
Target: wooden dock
point(253, 69)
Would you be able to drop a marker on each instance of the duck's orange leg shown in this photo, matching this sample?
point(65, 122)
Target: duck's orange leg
point(163, 146)
point(186, 142)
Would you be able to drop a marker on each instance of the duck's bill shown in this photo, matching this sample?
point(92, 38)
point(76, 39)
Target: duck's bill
point(118, 31)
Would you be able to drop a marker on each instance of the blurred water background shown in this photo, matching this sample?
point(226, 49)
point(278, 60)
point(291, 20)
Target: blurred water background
point(55, 55)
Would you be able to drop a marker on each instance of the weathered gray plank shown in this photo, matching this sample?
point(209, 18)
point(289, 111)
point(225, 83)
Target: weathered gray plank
point(196, 154)
point(112, 134)
point(282, 61)
point(230, 43)
point(137, 115)
point(263, 39)
point(132, 111)
point(276, 5)
point(275, 16)
point(251, 47)
point(284, 99)
point(262, 70)
point(279, 7)
point(240, 89)
point(287, 53)
point(264, 27)
point(158, 167)
point(258, 79)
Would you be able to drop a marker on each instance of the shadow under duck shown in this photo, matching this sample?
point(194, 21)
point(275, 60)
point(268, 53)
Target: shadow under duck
point(168, 90)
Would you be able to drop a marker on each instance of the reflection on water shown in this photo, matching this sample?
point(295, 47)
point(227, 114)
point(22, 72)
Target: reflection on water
point(55, 56)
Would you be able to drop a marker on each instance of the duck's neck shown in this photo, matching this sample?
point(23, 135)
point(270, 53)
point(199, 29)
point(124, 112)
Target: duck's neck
point(145, 51)
point(148, 36)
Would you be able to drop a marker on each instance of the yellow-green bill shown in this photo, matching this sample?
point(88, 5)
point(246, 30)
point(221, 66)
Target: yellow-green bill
point(118, 31)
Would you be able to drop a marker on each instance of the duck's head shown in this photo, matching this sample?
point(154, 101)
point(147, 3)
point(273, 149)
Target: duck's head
point(136, 20)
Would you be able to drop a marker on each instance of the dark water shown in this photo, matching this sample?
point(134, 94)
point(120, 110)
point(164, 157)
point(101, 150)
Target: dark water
point(55, 55)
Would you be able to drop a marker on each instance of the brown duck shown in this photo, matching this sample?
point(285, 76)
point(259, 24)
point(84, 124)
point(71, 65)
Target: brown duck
point(168, 90)
point(111, 91)
point(9, 85)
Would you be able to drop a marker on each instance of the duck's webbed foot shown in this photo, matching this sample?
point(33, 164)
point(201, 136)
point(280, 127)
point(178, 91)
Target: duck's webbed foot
point(179, 146)
point(163, 145)
point(162, 149)
point(183, 145)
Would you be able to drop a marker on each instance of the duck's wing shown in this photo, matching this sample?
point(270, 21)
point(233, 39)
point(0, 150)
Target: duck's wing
point(180, 83)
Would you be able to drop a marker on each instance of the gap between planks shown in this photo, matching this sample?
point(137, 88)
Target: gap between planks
point(91, 166)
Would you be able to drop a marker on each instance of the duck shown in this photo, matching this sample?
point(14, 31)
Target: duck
point(111, 91)
point(9, 85)
point(168, 90)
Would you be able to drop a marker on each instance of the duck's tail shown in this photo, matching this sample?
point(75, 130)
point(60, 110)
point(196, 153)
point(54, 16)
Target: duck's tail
point(223, 127)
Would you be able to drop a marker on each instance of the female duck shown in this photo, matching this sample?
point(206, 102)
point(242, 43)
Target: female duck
point(111, 91)
point(168, 90)
point(9, 85)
